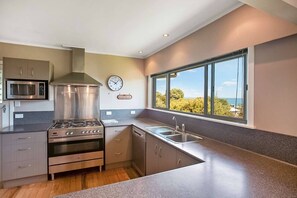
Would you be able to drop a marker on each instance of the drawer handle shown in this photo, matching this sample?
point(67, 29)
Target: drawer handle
point(32, 72)
point(25, 166)
point(118, 153)
point(24, 149)
point(24, 138)
point(117, 139)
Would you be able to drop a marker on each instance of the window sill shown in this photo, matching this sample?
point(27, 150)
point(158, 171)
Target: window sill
point(205, 118)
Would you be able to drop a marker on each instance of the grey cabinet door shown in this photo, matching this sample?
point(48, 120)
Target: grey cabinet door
point(183, 160)
point(118, 144)
point(14, 68)
point(152, 156)
point(38, 70)
point(167, 157)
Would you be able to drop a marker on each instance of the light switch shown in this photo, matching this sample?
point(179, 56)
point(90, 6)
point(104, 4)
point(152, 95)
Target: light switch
point(132, 112)
point(108, 112)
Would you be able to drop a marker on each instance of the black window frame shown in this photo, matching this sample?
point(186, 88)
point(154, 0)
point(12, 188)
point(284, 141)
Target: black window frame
point(210, 62)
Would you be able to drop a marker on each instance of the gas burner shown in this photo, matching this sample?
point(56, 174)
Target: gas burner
point(62, 124)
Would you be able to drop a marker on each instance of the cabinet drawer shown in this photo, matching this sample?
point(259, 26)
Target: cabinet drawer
point(23, 152)
point(75, 166)
point(22, 138)
point(114, 133)
point(75, 158)
point(117, 153)
point(23, 169)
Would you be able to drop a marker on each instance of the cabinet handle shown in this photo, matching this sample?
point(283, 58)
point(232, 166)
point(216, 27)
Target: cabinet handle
point(156, 147)
point(32, 72)
point(24, 138)
point(25, 166)
point(118, 153)
point(24, 149)
point(117, 139)
point(160, 152)
point(179, 161)
point(21, 71)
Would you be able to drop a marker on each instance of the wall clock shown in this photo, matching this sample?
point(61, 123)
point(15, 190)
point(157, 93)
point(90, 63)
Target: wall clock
point(115, 83)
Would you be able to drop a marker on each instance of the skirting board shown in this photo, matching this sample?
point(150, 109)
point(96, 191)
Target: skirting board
point(118, 165)
point(24, 181)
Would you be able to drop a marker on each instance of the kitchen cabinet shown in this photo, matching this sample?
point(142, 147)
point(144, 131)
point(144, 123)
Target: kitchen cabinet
point(118, 144)
point(160, 156)
point(14, 68)
point(23, 155)
point(183, 160)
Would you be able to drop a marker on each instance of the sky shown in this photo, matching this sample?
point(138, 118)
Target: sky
point(192, 81)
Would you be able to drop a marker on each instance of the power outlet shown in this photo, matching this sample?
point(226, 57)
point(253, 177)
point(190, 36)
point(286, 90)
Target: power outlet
point(19, 115)
point(132, 112)
point(108, 112)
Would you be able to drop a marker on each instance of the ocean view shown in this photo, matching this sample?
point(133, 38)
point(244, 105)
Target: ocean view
point(231, 101)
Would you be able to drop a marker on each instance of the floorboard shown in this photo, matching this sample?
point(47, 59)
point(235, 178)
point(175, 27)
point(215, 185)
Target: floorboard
point(70, 182)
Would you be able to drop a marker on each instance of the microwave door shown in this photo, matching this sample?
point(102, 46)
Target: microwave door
point(22, 89)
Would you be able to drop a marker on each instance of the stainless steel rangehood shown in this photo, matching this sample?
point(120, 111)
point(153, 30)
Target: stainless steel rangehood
point(77, 76)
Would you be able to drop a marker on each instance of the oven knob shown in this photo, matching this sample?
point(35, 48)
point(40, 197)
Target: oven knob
point(97, 131)
point(67, 133)
point(71, 133)
point(94, 131)
point(89, 131)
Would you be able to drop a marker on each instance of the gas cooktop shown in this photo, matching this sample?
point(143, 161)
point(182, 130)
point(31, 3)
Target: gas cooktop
point(66, 124)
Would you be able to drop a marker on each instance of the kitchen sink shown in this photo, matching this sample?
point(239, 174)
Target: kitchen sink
point(161, 129)
point(181, 138)
point(170, 133)
point(173, 135)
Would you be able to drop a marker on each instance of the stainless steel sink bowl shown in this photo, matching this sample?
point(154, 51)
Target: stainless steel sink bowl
point(170, 133)
point(160, 129)
point(181, 138)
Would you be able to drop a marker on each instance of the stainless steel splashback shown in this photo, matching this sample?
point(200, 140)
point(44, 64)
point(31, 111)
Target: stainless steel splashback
point(76, 102)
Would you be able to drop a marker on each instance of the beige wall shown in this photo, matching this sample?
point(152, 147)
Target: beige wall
point(276, 86)
point(275, 64)
point(244, 27)
point(131, 70)
point(99, 67)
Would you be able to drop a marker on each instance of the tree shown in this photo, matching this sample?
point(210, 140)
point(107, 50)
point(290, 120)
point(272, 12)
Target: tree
point(176, 94)
point(195, 105)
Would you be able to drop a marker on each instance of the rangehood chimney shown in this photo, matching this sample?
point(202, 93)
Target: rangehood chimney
point(77, 76)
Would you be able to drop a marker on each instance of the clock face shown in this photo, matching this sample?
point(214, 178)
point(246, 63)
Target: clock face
point(115, 83)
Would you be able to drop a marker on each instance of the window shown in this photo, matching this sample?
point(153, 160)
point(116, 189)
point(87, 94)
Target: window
point(187, 90)
point(160, 91)
point(215, 88)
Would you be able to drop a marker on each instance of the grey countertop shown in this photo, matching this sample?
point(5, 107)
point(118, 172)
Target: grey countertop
point(227, 171)
point(25, 128)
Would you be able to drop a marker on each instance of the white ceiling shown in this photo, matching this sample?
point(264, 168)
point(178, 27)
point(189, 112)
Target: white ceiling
point(117, 27)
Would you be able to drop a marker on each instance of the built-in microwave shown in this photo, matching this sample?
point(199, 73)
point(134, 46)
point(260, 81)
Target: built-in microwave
point(26, 90)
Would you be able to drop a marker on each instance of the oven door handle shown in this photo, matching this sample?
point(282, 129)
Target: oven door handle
point(68, 139)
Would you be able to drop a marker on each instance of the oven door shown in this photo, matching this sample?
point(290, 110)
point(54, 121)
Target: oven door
point(74, 147)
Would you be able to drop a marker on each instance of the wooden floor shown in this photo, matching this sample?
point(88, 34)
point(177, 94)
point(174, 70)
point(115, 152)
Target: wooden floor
point(70, 182)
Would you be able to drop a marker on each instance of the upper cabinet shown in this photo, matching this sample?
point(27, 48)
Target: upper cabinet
point(14, 68)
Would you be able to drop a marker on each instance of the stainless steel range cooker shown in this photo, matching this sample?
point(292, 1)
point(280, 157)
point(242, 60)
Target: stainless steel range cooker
point(75, 144)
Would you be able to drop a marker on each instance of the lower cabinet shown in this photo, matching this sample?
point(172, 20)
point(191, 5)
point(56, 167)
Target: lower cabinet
point(118, 144)
point(160, 156)
point(23, 155)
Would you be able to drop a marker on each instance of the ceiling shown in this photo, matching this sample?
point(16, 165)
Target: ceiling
point(107, 26)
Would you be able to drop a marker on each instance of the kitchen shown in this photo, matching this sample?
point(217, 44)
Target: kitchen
point(254, 156)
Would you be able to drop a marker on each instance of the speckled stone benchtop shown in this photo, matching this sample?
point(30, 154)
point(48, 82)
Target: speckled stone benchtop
point(227, 171)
